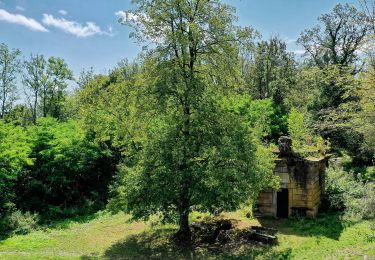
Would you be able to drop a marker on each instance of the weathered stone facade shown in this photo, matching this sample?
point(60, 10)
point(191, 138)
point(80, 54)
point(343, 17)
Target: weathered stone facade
point(301, 188)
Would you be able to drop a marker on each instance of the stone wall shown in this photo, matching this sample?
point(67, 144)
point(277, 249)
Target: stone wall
point(267, 203)
point(304, 179)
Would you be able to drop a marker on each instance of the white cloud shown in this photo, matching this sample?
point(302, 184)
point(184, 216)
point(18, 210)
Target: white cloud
point(21, 20)
point(63, 12)
point(72, 27)
point(20, 8)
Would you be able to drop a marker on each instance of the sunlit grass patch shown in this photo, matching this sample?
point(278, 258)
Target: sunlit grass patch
point(113, 237)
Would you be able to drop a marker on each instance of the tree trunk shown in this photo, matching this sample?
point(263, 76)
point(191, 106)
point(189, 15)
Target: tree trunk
point(3, 98)
point(184, 233)
point(2, 109)
point(44, 106)
point(35, 107)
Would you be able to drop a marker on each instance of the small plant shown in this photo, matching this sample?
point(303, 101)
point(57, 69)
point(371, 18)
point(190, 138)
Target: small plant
point(305, 142)
point(345, 193)
point(19, 222)
point(371, 236)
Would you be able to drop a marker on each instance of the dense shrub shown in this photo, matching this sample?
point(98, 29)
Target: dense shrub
point(305, 142)
point(366, 173)
point(18, 222)
point(14, 156)
point(266, 120)
point(345, 193)
point(69, 171)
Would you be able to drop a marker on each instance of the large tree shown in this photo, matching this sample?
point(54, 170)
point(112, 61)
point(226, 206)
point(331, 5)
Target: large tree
point(270, 70)
point(54, 95)
point(338, 37)
point(9, 67)
point(35, 81)
point(46, 83)
point(85, 76)
point(334, 48)
point(368, 7)
point(197, 154)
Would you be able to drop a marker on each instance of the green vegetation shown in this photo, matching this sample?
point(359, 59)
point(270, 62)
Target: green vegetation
point(112, 237)
point(344, 193)
point(14, 156)
point(305, 142)
point(187, 129)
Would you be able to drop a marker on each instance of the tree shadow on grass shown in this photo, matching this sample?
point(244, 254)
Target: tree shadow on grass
point(328, 225)
point(148, 245)
point(67, 222)
point(4, 236)
point(159, 244)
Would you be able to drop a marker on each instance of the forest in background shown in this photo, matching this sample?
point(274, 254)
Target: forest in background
point(189, 125)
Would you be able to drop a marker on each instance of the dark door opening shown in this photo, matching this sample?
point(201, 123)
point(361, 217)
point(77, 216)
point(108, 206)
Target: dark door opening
point(282, 203)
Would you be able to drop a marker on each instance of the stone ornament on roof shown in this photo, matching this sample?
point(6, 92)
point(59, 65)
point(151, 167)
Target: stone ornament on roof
point(285, 146)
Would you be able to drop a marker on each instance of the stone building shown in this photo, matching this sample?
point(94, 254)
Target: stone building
point(302, 184)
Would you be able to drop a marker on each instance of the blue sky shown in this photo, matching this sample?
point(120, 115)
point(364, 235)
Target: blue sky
point(86, 32)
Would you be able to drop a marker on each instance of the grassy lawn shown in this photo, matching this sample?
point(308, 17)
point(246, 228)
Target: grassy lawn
point(114, 237)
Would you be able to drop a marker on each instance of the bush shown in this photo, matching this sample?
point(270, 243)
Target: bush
point(305, 142)
point(345, 193)
point(366, 173)
point(18, 222)
point(69, 172)
point(369, 201)
point(14, 156)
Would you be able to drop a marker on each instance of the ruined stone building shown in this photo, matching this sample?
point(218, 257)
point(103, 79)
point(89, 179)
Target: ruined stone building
point(301, 188)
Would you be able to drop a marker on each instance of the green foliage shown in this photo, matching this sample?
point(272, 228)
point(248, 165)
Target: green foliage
point(9, 68)
point(345, 193)
point(195, 153)
point(45, 83)
point(185, 125)
point(269, 70)
point(333, 47)
point(337, 87)
point(361, 115)
point(15, 148)
point(68, 171)
point(115, 237)
point(35, 80)
point(220, 163)
point(19, 223)
point(54, 95)
point(338, 37)
point(265, 120)
point(257, 113)
point(110, 109)
point(305, 142)
point(19, 115)
point(308, 82)
point(366, 173)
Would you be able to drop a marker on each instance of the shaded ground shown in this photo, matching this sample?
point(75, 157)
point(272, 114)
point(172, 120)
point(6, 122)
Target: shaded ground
point(157, 245)
point(329, 226)
point(113, 237)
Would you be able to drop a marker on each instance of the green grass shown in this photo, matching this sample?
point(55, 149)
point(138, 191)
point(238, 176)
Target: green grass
point(114, 237)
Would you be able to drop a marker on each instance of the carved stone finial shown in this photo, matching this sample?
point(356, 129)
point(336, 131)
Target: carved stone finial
point(285, 145)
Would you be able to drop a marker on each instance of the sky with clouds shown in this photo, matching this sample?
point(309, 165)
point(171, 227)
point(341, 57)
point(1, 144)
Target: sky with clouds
point(86, 33)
